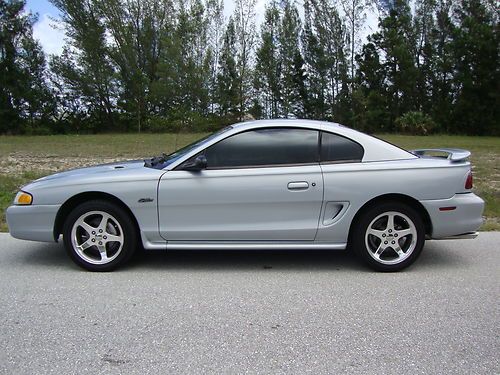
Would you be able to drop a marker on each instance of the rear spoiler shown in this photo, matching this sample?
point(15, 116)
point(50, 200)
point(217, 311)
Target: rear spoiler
point(453, 154)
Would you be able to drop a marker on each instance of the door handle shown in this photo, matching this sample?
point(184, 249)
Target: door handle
point(298, 185)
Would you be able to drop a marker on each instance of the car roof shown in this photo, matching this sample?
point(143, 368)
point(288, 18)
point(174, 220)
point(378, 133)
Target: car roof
point(287, 122)
point(375, 148)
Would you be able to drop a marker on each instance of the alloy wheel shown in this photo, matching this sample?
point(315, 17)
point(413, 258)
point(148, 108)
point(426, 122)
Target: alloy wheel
point(97, 237)
point(391, 238)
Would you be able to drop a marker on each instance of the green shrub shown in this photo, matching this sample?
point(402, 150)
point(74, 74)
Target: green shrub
point(158, 124)
point(190, 122)
point(415, 123)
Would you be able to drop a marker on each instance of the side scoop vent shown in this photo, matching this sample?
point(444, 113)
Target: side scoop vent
point(333, 212)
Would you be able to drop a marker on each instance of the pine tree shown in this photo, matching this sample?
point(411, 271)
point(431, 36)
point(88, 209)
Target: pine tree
point(355, 13)
point(292, 73)
point(25, 101)
point(370, 99)
point(299, 79)
point(315, 65)
point(397, 45)
point(228, 80)
point(215, 20)
point(268, 65)
point(85, 63)
point(244, 27)
point(325, 46)
point(137, 29)
point(477, 77)
point(158, 63)
point(423, 25)
point(441, 67)
point(38, 98)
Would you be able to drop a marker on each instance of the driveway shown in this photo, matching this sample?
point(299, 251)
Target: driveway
point(307, 312)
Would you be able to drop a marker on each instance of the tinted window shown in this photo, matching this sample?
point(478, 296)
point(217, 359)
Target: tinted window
point(337, 148)
point(276, 146)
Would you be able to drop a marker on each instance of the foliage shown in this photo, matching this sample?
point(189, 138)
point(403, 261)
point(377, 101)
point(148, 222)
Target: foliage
point(415, 123)
point(268, 65)
point(477, 74)
point(180, 65)
point(442, 61)
point(25, 101)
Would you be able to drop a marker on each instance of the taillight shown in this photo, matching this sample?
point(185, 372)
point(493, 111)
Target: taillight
point(468, 181)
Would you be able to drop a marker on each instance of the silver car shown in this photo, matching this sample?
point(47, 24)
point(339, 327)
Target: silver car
point(273, 184)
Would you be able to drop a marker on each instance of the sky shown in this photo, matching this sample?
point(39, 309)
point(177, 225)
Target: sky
point(45, 29)
point(51, 35)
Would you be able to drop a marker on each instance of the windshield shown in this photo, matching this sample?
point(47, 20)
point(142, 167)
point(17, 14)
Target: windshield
point(165, 160)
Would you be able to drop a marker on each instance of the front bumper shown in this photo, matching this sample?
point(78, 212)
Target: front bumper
point(465, 218)
point(35, 223)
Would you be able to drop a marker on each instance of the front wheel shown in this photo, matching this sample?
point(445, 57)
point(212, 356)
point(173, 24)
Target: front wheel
point(99, 236)
point(389, 236)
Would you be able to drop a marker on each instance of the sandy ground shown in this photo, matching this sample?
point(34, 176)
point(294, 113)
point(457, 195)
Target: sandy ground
point(17, 163)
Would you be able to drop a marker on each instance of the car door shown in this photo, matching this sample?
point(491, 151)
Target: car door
point(259, 185)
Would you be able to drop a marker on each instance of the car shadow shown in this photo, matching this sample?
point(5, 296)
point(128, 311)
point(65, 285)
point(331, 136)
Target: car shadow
point(247, 260)
point(54, 256)
point(436, 254)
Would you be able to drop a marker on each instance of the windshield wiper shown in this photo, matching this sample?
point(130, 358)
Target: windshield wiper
point(155, 161)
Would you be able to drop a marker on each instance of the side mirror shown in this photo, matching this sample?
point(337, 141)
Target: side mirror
point(199, 163)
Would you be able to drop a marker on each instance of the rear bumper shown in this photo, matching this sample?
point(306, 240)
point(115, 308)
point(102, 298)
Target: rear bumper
point(35, 223)
point(464, 219)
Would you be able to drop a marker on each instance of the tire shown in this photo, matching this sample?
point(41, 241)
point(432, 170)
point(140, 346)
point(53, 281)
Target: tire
point(389, 236)
point(97, 245)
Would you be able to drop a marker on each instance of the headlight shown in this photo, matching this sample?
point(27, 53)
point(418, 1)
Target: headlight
point(23, 199)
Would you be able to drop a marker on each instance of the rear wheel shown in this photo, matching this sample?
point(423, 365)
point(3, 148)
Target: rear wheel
point(389, 236)
point(99, 236)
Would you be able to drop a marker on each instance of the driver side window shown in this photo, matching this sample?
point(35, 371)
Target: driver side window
point(265, 147)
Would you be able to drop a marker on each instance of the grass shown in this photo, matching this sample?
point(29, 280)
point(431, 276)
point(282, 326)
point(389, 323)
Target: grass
point(24, 158)
point(102, 145)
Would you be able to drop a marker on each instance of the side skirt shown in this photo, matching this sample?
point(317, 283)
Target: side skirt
point(465, 236)
point(180, 245)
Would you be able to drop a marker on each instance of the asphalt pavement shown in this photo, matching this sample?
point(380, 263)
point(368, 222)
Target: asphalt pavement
point(237, 312)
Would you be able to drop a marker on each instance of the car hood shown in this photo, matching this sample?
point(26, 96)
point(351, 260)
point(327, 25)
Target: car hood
point(118, 179)
point(122, 166)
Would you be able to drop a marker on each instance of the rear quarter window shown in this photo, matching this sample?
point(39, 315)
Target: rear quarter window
point(338, 149)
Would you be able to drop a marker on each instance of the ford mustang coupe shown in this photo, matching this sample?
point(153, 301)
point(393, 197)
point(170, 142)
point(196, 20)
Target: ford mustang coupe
point(272, 184)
